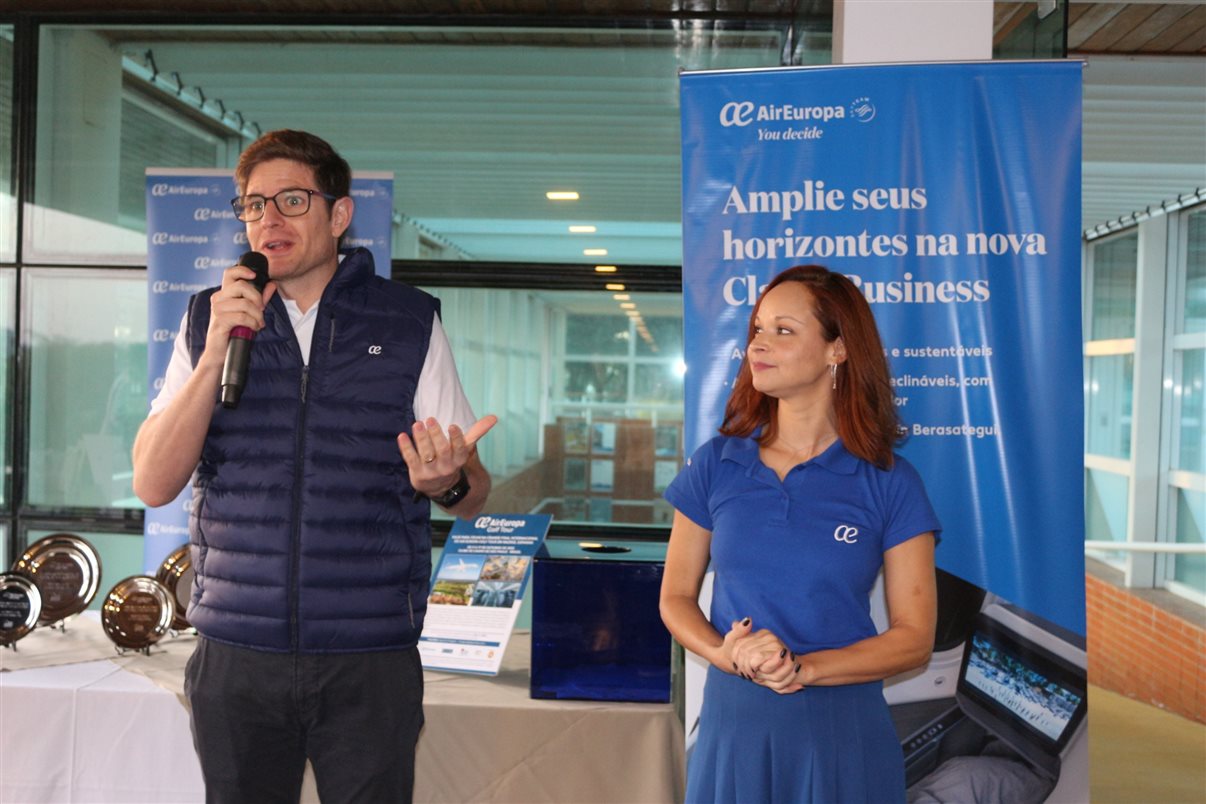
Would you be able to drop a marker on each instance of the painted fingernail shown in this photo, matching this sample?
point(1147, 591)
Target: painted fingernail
point(797, 668)
point(746, 621)
point(734, 665)
point(782, 653)
point(793, 655)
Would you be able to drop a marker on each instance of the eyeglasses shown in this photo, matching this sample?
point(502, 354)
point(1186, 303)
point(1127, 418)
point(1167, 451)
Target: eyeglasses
point(290, 203)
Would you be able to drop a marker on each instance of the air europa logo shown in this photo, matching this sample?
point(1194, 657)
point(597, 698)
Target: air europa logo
point(205, 263)
point(494, 522)
point(742, 113)
point(160, 189)
point(737, 114)
point(847, 534)
point(168, 238)
point(207, 214)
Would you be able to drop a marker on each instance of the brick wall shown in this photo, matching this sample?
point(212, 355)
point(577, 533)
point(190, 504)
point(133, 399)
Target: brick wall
point(1144, 650)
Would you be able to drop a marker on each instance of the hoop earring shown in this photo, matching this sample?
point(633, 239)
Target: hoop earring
point(833, 374)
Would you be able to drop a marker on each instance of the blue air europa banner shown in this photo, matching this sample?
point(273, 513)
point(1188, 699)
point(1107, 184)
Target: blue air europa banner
point(950, 194)
point(192, 237)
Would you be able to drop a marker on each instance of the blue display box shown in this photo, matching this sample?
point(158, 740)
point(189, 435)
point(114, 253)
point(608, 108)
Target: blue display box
point(596, 631)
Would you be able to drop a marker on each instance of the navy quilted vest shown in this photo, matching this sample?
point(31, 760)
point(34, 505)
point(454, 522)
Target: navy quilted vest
point(305, 536)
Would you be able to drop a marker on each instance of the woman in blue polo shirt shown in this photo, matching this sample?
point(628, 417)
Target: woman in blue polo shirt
point(797, 505)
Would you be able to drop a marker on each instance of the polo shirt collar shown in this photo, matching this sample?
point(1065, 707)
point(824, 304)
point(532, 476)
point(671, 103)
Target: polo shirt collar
point(744, 451)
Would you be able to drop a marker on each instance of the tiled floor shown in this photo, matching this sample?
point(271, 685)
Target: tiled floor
point(1143, 755)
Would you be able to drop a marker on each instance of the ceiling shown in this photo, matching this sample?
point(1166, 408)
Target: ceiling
point(490, 118)
point(1144, 101)
point(1120, 28)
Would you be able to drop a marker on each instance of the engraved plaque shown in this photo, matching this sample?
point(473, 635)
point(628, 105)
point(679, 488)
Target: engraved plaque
point(20, 605)
point(67, 572)
point(137, 612)
point(176, 573)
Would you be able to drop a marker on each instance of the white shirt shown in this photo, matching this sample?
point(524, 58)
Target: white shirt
point(439, 393)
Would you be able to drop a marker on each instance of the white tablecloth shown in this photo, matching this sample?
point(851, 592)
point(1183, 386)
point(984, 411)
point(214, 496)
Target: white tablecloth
point(116, 730)
point(93, 732)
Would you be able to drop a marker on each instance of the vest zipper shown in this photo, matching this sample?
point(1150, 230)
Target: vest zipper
point(410, 607)
point(295, 542)
point(331, 339)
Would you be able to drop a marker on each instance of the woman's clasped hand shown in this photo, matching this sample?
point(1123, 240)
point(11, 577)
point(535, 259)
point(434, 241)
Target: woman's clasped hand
point(761, 657)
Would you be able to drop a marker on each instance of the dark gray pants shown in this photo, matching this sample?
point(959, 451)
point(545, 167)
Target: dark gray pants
point(256, 717)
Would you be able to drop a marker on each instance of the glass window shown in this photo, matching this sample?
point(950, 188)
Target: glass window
point(658, 382)
point(75, 211)
point(1029, 31)
point(1192, 404)
point(592, 382)
point(1108, 392)
point(86, 336)
point(153, 136)
point(478, 125)
point(1195, 274)
point(1105, 506)
point(1187, 331)
point(1191, 529)
point(664, 336)
point(589, 436)
point(596, 334)
point(120, 556)
point(8, 206)
point(8, 318)
point(1115, 266)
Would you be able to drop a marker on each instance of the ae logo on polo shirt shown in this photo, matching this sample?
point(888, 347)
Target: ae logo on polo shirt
point(846, 533)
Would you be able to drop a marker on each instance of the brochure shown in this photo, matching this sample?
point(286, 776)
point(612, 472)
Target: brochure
point(477, 590)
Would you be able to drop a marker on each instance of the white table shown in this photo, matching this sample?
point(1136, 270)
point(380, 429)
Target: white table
point(116, 730)
point(93, 732)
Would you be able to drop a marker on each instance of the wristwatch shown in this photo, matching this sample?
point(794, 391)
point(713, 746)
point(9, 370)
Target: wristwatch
point(455, 494)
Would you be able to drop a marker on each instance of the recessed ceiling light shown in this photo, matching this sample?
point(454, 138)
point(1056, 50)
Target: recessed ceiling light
point(614, 286)
point(605, 269)
point(583, 229)
point(628, 305)
point(620, 296)
point(594, 252)
point(562, 195)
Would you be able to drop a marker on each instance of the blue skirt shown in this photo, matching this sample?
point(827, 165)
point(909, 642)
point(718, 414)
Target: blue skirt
point(827, 745)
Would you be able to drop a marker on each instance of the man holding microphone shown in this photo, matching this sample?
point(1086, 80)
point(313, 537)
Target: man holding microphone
point(312, 485)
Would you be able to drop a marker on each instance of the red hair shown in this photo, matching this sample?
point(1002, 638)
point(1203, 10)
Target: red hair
point(867, 421)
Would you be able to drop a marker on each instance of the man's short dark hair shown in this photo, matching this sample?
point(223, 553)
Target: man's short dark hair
point(331, 170)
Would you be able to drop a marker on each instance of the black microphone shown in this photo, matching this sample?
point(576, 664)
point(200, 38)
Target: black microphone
point(238, 351)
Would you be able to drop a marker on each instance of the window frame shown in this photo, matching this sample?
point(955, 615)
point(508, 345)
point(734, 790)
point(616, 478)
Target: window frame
point(1123, 467)
point(1177, 343)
